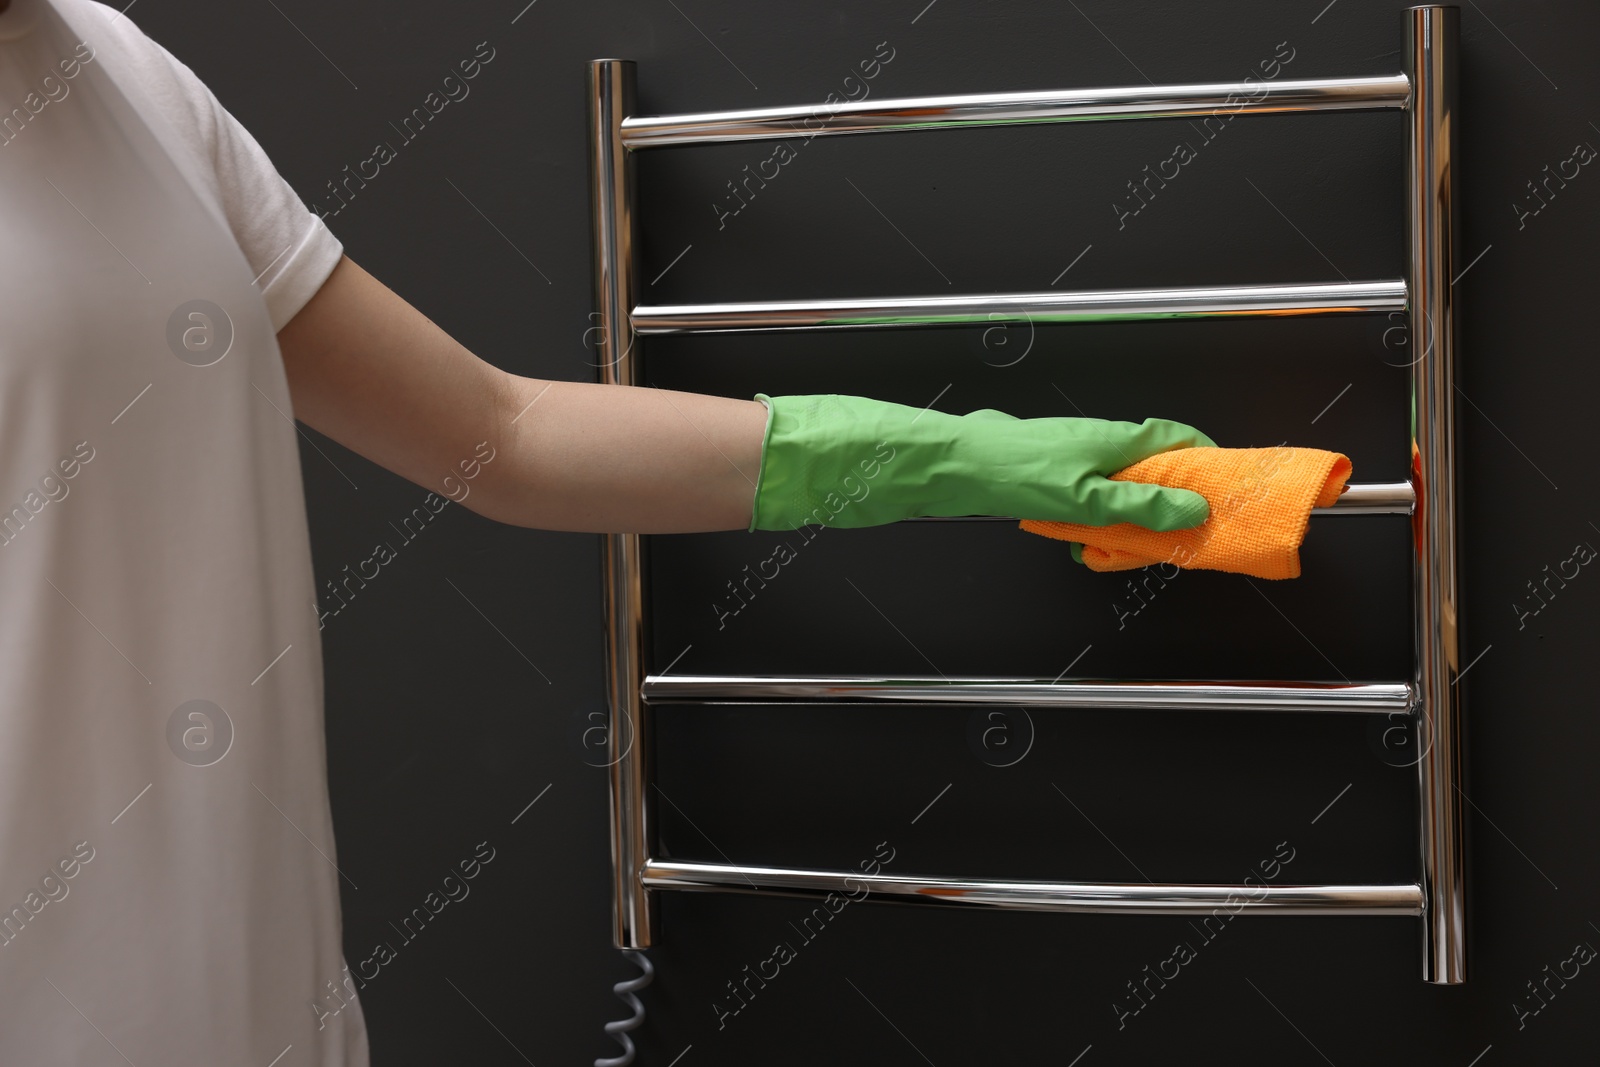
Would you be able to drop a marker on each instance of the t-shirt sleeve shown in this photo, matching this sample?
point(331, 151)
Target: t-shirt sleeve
point(288, 246)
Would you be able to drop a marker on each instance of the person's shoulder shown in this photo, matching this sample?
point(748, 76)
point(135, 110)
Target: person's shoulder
point(121, 43)
point(113, 28)
point(111, 24)
point(262, 209)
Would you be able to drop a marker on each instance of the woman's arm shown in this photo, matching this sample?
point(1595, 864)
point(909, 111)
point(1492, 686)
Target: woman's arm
point(372, 372)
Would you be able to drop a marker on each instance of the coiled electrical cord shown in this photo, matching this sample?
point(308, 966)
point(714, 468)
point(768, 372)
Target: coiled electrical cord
point(625, 991)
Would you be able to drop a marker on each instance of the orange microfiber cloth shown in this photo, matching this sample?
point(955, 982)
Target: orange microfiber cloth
point(1260, 498)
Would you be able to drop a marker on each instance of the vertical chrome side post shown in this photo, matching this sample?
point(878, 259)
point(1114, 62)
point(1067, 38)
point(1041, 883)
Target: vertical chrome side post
point(616, 288)
point(1432, 212)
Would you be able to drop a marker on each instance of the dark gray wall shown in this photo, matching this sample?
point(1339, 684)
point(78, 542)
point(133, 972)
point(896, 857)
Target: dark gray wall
point(457, 681)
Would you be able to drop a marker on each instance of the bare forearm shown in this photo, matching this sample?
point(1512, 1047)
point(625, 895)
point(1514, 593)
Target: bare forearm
point(620, 459)
point(375, 374)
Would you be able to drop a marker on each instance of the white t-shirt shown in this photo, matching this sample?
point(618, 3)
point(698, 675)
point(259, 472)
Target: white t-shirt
point(168, 883)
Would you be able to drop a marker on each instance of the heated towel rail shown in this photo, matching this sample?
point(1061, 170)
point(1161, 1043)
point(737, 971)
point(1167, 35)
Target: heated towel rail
point(1426, 91)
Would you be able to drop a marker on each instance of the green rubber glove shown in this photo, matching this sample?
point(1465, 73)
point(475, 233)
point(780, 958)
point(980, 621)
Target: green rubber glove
point(850, 461)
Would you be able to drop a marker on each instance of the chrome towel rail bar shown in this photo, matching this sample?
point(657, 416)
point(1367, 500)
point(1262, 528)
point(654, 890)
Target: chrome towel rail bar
point(995, 109)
